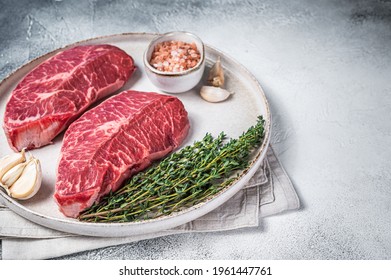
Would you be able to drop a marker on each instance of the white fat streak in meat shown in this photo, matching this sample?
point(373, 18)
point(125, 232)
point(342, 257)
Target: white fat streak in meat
point(147, 117)
point(42, 96)
point(171, 120)
point(62, 76)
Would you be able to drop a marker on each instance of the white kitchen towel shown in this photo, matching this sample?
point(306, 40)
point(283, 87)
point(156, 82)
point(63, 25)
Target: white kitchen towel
point(269, 192)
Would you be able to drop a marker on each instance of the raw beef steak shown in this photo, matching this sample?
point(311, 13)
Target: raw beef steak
point(114, 140)
point(58, 90)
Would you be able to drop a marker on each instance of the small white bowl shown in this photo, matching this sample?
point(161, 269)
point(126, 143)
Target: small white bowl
point(175, 82)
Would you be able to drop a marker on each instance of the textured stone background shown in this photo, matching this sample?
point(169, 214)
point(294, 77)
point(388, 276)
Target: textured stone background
point(325, 68)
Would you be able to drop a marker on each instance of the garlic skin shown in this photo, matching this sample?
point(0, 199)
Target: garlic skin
point(20, 178)
point(216, 75)
point(9, 161)
point(214, 94)
point(29, 181)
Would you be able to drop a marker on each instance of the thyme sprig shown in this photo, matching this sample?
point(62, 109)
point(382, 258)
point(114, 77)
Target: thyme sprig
point(184, 178)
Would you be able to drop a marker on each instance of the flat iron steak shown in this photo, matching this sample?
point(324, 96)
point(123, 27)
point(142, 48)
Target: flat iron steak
point(114, 140)
point(58, 90)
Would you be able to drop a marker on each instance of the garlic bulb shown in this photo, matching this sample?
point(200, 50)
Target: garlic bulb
point(216, 75)
point(20, 178)
point(29, 181)
point(214, 94)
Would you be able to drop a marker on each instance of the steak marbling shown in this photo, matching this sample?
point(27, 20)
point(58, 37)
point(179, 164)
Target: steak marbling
point(114, 140)
point(58, 90)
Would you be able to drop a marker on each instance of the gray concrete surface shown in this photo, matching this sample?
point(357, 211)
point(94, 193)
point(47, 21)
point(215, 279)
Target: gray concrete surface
point(325, 68)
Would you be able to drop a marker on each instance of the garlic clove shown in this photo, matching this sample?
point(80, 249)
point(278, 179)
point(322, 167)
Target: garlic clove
point(10, 177)
point(29, 181)
point(214, 94)
point(9, 161)
point(216, 75)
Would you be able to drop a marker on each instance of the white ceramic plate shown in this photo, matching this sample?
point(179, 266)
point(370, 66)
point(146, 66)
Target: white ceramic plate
point(233, 116)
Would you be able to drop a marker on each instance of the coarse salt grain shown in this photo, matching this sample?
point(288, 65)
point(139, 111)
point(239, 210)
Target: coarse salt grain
point(175, 56)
